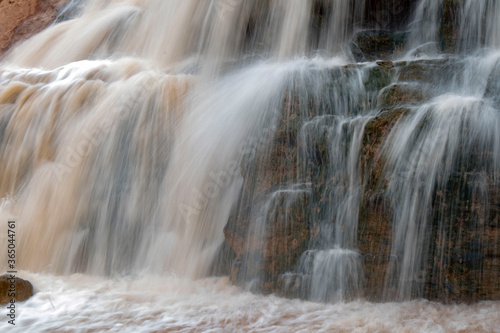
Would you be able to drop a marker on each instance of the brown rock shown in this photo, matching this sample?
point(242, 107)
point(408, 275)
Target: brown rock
point(402, 93)
point(385, 64)
point(436, 72)
point(21, 288)
point(21, 19)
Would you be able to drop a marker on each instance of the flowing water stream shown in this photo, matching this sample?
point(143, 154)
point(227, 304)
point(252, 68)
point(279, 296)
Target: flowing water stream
point(131, 133)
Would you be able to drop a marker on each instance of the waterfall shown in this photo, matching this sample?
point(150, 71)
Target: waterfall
point(479, 25)
point(422, 161)
point(214, 30)
point(171, 141)
point(424, 28)
point(476, 24)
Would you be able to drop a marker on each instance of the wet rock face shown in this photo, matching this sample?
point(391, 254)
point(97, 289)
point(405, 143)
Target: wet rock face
point(465, 265)
point(462, 258)
point(402, 93)
point(21, 19)
point(383, 32)
point(9, 285)
point(492, 91)
point(270, 229)
point(371, 45)
point(278, 229)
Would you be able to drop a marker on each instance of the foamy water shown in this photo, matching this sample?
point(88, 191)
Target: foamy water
point(81, 303)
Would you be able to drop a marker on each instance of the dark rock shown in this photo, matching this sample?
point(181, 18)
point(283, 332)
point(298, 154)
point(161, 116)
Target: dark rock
point(223, 260)
point(463, 266)
point(371, 45)
point(378, 78)
point(388, 14)
point(449, 29)
point(493, 86)
point(23, 289)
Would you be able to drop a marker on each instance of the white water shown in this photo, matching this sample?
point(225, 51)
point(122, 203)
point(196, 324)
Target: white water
point(479, 25)
point(459, 125)
point(123, 132)
point(424, 28)
point(80, 303)
point(477, 21)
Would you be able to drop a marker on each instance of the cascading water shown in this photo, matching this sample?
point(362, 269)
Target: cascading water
point(479, 25)
point(425, 26)
point(333, 263)
point(148, 144)
point(433, 144)
point(422, 160)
